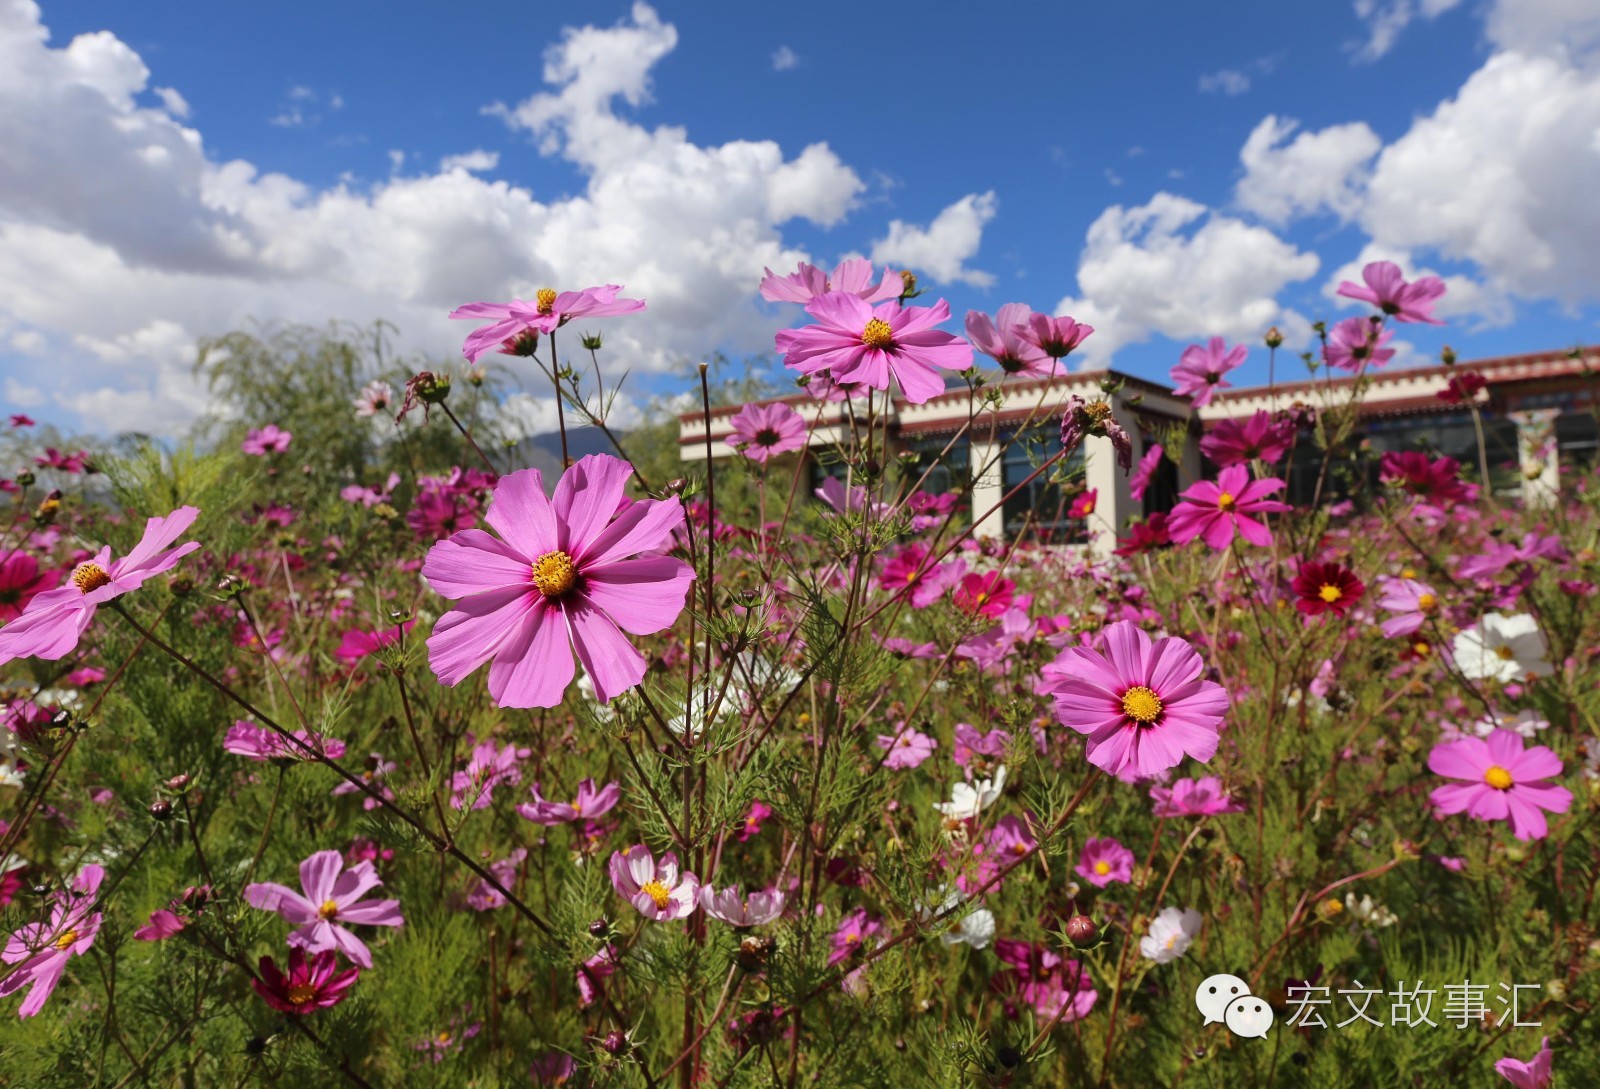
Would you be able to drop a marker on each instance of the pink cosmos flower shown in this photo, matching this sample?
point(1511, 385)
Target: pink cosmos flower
point(377, 767)
point(55, 620)
point(1042, 980)
point(1463, 389)
point(603, 965)
point(971, 744)
point(1010, 837)
point(356, 644)
point(1356, 343)
point(20, 420)
point(1214, 511)
point(1202, 797)
point(1201, 368)
point(855, 929)
point(1056, 337)
point(40, 951)
point(440, 1044)
point(857, 343)
point(989, 594)
point(1103, 861)
point(658, 892)
point(376, 396)
point(764, 431)
point(1004, 339)
point(1413, 601)
point(490, 765)
point(560, 574)
point(1501, 780)
point(750, 827)
point(1533, 1074)
point(1233, 443)
point(854, 277)
point(907, 747)
point(262, 441)
point(332, 897)
point(1083, 506)
point(163, 924)
point(587, 804)
point(735, 910)
point(486, 897)
point(547, 312)
point(311, 984)
point(553, 1069)
point(246, 739)
point(1433, 479)
point(66, 463)
point(1387, 289)
point(1143, 705)
point(20, 582)
point(1140, 483)
point(906, 569)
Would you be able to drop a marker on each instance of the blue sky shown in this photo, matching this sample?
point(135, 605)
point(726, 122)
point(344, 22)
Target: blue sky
point(1161, 170)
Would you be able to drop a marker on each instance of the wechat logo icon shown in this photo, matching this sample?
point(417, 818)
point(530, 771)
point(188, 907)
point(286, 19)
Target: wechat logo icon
point(1227, 999)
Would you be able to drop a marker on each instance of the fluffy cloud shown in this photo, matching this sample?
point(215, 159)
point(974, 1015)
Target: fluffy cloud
point(1569, 28)
point(1174, 267)
point(1385, 19)
point(122, 241)
point(1316, 171)
point(942, 248)
point(784, 59)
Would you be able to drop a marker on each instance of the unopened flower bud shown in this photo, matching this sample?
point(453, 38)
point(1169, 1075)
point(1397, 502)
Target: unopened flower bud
point(615, 1043)
point(591, 342)
point(1274, 338)
point(908, 281)
point(477, 375)
point(177, 782)
point(675, 486)
point(1082, 932)
point(525, 343)
point(599, 928)
point(1447, 356)
point(161, 810)
point(25, 478)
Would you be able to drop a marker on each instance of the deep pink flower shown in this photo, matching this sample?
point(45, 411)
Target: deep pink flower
point(1140, 483)
point(586, 804)
point(40, 951)
point(560, 574)
point(989, 594)
point(750, 827)
point(1233, 443)
point(20, 582)
point(310, 985)
point(1056, 337)
point(855, 929)
point(763, 431)
point(658, 892)
point(1433, 479)
point(1146, 536)
point(55, 620)
point(1004, 339)
point(489, 765)
point(857, 343)
point(377, 768)
point(1214, 511)
point(601, 966)
point(1103, 861)
point(906, 569)
point(731, 907)
point(1357, 343)
point(854, 277)
point(971, 744)
point(271, 439)
point(246, 739)
point(20, 420)
point(1042, 980)
point(1387, 289)
point(1202, 797)
point(1462, 389)
point(1533, 1074)
point(332, 897)
point(1503, 780)
point(546, 313)
point(907, 747)
point(553, 1070)
point(356, 644)
point(1083, 505)
point(1321, 587)
point(163, 924)
point(1143, 706)
point(66, 463)
point(1201, 368)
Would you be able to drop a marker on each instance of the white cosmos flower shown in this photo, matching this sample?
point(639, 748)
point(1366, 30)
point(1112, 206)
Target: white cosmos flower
point(976, 928)
point(1371, 914)
point(967, 800)
point(1502, 648)
point(1525, 723)
point(1170, 935)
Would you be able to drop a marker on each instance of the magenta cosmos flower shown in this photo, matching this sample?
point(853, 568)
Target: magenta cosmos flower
point(271, 439)
point(1214, 511)
point(1140, 483)
point(1143, 705)
point(854, 277)
point(311, 984)
point(254, 742)
point(20, 582)
point(860, 344)
point(332, 897)
point(1261, 436)
point(559, 573)
point(1005, 339)
point(907, 747)
point(1056, 337)
point(764, 431)
point(54, 621)
point(1201, 368)
point(587, 804)
point(659, 892)
point(1103, 861)
point(40, 951)
point(490, 765)
point(547, 312)
point(1355, 343)
point(1202, 797)
point(1533, 1074)
point(1501, 780)
point(1386, 288)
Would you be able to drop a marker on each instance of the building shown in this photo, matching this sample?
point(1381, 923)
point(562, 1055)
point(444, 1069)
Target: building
point(1537, 414)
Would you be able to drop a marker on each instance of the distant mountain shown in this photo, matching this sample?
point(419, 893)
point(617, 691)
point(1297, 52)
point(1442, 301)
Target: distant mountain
point(544, 451)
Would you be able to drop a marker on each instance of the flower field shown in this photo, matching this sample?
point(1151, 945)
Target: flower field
point(347, 743)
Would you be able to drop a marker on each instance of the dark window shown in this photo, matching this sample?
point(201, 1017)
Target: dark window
point(947, 474)
point(1043, 497)
point(1577, 438)
point(1161, 494)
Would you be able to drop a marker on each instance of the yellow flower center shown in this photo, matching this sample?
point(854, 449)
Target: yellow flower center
point(554, 574)
point(657, 892)
point(1141, 704)
point(546, 299)
point(89, 577)
point(1421, 649)
point(1330, 593)
point(444, 1037)
point(66, 939)
point(1427, 603)
point(1102, 868)
point(329, 909)
point(302, 993)
point(1504, 653)
point(1498, 777)
point(1408, 572)
point(877, 334)
point(1019, 849)
point(1225, 501)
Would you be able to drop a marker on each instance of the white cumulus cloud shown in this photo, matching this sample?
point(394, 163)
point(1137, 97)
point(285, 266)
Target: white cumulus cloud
point(1316, 171)
point(942, 249)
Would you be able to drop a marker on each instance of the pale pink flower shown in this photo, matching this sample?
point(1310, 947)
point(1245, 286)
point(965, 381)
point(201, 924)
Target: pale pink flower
point(730, 907)
point(548, 311)
point(1103, 861)
point(854, 277)
point(1004, 339)
point(764, 431)
point(332, 898)
point(1386, 288)
point(587, 804)
point(857, 343)
point(40, 951)
point(658, 892)
point(1201, 369)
